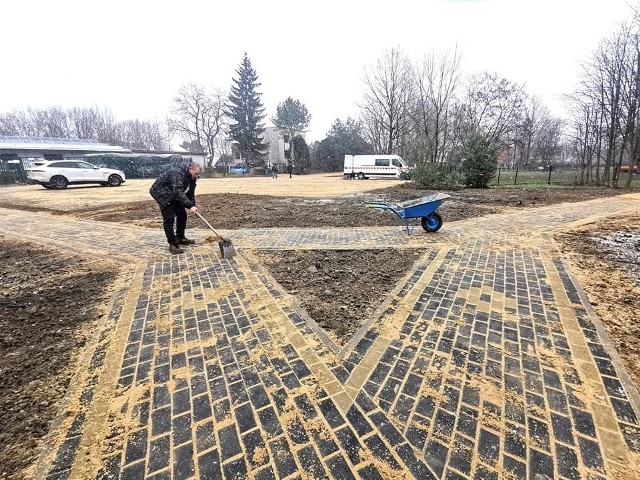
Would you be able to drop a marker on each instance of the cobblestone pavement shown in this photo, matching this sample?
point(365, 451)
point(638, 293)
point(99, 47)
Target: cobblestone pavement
point(485, 362)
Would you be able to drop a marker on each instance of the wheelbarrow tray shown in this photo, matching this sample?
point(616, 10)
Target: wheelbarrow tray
point(410, 211)
point(421, 207)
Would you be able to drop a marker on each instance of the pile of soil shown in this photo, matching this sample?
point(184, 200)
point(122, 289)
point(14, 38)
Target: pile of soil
point(50, 300)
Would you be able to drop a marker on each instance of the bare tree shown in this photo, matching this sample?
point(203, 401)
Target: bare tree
point(8, 124)
point(142, 135)
point(606, 104)
point(529, 130)
point(48, 122)
point(224, 147)
point(20, 122)
point(52, 122)
point(436, 81)
point(491, 106)
point(611, 59)
point(106, 128)
point(586, 136)
point(632, 99)
point(548, 140)
point(386, 105)
point(198, 116)
point(84, 122)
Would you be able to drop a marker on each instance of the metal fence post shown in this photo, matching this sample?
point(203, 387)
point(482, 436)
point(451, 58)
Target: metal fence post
point(498, 181)
point(550, 169)
point(515, 179)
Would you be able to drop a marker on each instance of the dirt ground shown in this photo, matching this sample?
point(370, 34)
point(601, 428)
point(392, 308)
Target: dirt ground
point(605, 257)
point(50, 301)
point(232, 211)
point(340, 289)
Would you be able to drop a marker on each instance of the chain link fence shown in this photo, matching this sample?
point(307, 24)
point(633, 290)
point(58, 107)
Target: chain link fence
point(561, 176)
point(136, 165)
point(12, 172)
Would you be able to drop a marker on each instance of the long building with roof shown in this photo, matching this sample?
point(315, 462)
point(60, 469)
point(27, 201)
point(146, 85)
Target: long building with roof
point(19, 153)
point(49, 148)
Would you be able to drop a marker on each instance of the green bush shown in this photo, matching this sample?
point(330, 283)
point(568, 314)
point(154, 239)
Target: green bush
point(479, 161)
point(433, 175)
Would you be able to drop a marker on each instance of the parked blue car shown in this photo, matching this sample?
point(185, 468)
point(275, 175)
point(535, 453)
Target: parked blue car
point(238, 169)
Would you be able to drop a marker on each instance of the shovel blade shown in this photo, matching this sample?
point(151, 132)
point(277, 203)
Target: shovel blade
point(226, 249)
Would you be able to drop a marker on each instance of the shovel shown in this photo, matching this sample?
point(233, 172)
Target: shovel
point(226, 247)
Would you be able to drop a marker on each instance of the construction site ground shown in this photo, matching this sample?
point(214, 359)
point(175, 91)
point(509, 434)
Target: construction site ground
point(333, 345)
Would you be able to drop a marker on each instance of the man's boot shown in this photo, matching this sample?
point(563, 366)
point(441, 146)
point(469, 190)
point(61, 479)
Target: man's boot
point(175, 248)
point(186, 241)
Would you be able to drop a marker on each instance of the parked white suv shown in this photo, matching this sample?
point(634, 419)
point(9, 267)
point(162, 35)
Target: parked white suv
point(58, 174)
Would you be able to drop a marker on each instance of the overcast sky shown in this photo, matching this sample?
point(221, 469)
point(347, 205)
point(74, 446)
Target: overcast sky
point(131, 56)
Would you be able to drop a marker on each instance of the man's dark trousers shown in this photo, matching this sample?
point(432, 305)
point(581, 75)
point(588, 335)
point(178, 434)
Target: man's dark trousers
point(174, 212)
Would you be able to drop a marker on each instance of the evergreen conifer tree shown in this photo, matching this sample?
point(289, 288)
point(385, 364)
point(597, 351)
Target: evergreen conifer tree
point(479, 160)
point(247, 113)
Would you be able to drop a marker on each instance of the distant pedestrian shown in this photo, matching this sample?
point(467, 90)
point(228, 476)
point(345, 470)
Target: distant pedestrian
point(274, 171)
point(175, 190)
point(290, 169)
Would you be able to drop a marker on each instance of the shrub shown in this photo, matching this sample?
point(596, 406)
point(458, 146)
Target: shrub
point(433, 175)
point(479, 161)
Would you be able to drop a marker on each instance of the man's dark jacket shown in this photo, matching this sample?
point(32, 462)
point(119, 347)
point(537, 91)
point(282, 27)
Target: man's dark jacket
point(171, 186)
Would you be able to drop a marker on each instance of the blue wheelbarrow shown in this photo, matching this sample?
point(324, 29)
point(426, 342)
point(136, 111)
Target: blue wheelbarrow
point(421, 209)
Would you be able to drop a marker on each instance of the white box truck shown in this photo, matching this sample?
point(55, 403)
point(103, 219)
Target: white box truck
point(374, 166)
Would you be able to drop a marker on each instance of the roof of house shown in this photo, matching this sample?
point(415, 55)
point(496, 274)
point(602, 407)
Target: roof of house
point(9, 142)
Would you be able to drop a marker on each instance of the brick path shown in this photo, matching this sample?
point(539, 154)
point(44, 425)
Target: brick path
point(485, 362)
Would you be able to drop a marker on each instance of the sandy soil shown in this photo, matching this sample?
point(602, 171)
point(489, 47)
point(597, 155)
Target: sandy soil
point(50, 300)
point(605, 257)
point(80, 196)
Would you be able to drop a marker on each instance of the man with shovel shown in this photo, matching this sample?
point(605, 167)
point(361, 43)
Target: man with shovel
point(174, 190)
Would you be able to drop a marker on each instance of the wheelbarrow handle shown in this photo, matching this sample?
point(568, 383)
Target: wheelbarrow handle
point(210, 227)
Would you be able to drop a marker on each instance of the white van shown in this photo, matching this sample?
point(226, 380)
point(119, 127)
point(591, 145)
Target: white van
point(374, 166)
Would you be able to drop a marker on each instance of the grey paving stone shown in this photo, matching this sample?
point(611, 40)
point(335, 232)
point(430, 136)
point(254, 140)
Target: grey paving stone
point(471, 372)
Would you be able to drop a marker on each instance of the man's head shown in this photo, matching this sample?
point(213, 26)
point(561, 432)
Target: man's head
point(194, 170)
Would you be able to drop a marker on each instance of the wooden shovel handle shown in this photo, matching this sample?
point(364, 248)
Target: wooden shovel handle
point(210, 227)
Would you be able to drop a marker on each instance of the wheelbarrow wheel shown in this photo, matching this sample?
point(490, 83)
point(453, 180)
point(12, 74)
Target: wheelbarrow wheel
point(432, 223)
